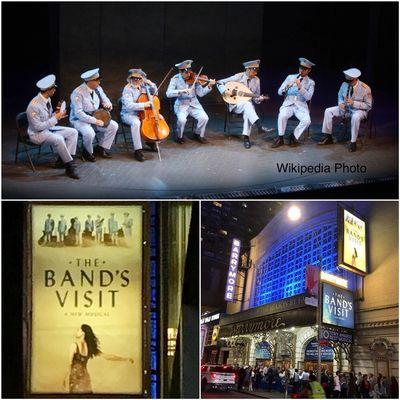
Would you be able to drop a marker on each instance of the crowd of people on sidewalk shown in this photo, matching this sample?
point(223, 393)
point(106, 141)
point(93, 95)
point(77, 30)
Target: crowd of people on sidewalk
point(304, 383)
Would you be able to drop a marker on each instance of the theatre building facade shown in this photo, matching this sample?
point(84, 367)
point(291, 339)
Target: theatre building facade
point(328, 279)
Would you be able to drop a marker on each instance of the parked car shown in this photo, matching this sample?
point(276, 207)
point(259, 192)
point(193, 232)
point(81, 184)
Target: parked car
point(217, 377)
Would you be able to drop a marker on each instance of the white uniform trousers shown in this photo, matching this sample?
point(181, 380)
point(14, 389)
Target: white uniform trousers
point(356, 117)
point(198, 114)
point(88, 133)
point(134, 122)
point(249, 115)
point(63, 139)
point(302, 114)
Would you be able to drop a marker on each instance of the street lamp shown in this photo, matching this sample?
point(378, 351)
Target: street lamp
point(294, 213)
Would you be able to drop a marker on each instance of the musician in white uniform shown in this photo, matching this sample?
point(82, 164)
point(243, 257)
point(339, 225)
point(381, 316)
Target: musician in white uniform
point(252, 81)
point(137, 79)
point(354, 102)
point(297, 89)
point(42, 127)
point(187, 103)
point(85, 100)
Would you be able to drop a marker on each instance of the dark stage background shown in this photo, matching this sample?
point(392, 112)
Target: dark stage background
point(69, 38)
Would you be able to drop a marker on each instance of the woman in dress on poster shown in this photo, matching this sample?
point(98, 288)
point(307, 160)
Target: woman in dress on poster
point(86, 346)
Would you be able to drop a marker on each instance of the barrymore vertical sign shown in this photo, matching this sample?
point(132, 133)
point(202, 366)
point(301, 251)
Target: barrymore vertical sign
point(232, 273)
point(86, 282)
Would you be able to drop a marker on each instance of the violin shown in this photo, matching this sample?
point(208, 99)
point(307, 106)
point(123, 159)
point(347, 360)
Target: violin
point(154, 128)
point(202, 79)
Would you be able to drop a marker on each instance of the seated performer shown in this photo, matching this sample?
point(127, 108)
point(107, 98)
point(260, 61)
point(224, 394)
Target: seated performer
point(297, 89)
point(355, 100)
point(130, 107)
point(85, 100)
point(187, 102)
point(42, 126)
point(250, 79)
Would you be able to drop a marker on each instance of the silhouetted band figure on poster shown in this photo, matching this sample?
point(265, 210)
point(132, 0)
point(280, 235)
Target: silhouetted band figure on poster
point(70, 239)
point(86, 346)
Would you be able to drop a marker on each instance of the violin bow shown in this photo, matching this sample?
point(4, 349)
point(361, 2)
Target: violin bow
point(197, 77)
point(162, 82)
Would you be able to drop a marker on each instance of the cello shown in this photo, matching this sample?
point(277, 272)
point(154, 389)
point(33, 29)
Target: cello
point(153, 128)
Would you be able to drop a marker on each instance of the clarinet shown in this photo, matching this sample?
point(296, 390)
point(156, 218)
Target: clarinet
point(347, 109)
point(289, 85)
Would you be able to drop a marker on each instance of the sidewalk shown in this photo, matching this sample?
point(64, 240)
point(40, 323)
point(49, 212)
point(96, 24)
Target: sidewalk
point(263, 393)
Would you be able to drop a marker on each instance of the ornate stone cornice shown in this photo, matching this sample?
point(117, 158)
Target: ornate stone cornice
point(377, 324)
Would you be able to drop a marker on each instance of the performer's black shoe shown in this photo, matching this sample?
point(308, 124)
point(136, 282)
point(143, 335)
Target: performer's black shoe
point(246, 142)
point(292, 141)
point(139, 155)
point(70, 170)
point(152, 146)
point(59, 164)
point(278, 142)
point(180, 140)
point(353, 147)
point(326, 140)
point(86, 156)
point(102, 152)
point(200, 139)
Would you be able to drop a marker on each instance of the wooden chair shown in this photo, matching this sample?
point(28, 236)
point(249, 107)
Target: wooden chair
point(368, 125)
point(306, 134)
point(172, 119)
point(24, 140)
point(231, 118)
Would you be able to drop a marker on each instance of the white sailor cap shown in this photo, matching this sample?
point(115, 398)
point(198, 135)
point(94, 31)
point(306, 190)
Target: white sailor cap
point(184, 64)
point(306, 63)
point(90, 75)
point(252, 64)
point(352, 73)
point(47, 82)
point(136, 73)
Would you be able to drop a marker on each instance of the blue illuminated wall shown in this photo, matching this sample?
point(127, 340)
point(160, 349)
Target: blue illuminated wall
point(281, 269)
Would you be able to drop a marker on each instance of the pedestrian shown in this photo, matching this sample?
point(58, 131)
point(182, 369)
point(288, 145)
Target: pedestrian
point(343, 386)
point(258, 377)
point(379, 389)
point(359, 381)
point(394, 388)
point(316, 391)
point(296, 381)
point(252, 376)
point(353, 388)
point(365, 387)
point(336, 385)
point(270, 377)
point(241, 377)
point(324, 381)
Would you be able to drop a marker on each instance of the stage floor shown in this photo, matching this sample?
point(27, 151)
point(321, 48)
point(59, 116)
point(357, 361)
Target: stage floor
point(221, 168)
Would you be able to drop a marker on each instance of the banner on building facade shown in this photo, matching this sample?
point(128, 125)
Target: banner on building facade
point(312, 284)
point(352, 242)
point(337, 306)
point(311, 352)
point(86, 301)
point(332, 335)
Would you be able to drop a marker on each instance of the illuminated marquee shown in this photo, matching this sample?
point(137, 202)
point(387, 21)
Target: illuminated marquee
point(352, 242)
point(232, 273)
